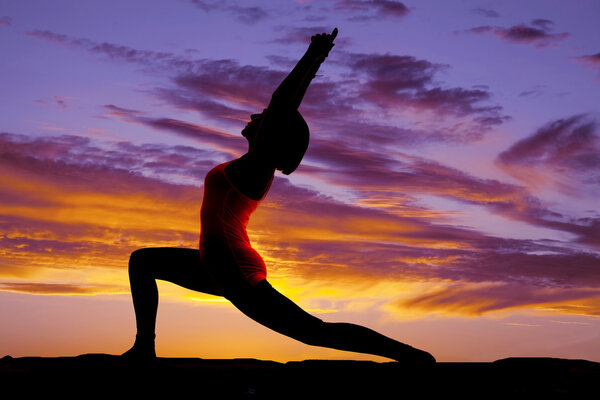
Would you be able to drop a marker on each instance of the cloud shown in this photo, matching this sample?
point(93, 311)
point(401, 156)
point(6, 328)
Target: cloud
point(344, 164)
point(245, 14)
point(59, 288)
point(5, 21)
point(544, 24)
point(384, 81)
point(302, 35)
point(592, 61)
point(366, 172)
point(223, 142)
point(81, 205)
point(365, 10)
point(534, 91)
point(114, 111)
point(228, 81)
point(220, 89)
point(486, 12)
point(538, 33)
point(69, 205)
point(479, 299)
point(61, 102)
point(394, 81)
point(116, 52)
point(224, 91)
point(568, 148)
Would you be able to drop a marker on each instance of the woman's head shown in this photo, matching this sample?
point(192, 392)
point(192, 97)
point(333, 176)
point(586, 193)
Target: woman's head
point(249, 132)
point(284, 139)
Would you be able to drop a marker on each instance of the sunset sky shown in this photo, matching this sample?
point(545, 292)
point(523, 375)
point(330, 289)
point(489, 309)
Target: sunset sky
point(448, 199)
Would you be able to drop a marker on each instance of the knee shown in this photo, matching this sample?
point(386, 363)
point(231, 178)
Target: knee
point(137, 260)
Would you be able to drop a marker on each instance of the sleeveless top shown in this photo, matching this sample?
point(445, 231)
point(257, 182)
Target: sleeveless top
point(224, 216)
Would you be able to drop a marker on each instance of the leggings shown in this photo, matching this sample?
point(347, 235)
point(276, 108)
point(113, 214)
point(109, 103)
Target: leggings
point(261, 302)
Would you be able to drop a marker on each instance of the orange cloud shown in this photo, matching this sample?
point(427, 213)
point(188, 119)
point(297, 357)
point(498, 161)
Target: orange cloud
point(71, 213)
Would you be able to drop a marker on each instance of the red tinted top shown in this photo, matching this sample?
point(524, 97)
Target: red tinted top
point(224, 216)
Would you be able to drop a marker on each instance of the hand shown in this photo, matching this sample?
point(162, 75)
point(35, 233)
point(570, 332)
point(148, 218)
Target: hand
point(321, 44)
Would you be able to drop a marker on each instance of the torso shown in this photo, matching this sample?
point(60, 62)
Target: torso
point(226, 210)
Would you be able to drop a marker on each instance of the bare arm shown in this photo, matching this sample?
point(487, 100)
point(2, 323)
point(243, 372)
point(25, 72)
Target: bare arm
point(252, 172)
point(290, 92)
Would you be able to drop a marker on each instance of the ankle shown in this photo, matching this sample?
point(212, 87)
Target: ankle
point(146, 337)
point(145, 340)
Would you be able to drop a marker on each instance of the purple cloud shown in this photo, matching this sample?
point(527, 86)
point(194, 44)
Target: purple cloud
point(5, 21)
point(78, 160)
point(568, 147)
point(115, 52)
point(393, 81)
point(592, 61)
point(486, 12)
point(544, 24)
point(225, 91)
point(58, 101)
point(232, 145)
point(370, 9)
point(302, 36)
point(245, 14)
point(538, 34)
point(228, 81)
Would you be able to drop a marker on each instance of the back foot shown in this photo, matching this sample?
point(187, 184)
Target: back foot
point(415, 357)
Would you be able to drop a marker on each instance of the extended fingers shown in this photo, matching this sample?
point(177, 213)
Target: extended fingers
point(326, 36)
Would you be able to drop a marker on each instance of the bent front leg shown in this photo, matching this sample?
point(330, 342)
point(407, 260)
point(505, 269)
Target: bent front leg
point(177, 265)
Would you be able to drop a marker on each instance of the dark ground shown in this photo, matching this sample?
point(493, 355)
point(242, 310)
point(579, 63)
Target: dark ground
point(100, 375)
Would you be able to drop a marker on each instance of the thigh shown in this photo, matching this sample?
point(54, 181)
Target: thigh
point(181, 266)
point(267, 306)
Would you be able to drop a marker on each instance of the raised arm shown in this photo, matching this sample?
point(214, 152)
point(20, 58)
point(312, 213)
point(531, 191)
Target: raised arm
point(290, 92)
point(272, 143)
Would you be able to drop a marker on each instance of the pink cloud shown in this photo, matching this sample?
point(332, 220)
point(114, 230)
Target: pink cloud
point(592, 61)
point(229, 81)
point(569, 147)
point(58, 101)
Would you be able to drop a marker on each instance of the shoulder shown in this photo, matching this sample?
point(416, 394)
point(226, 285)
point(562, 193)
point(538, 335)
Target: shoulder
point(249, 176)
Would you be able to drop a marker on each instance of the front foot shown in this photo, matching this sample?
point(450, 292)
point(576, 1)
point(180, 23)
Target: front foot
point(139, 353)
point(142, 350)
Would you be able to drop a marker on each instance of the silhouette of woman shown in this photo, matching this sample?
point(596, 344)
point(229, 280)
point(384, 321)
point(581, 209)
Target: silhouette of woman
point(226, 264)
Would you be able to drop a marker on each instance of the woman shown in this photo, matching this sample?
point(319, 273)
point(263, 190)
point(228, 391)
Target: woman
point(226, 264)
